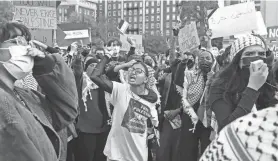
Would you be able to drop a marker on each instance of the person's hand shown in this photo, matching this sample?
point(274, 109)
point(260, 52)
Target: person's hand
point(130, 63)
point(73, 47)
point(34, 52)
point(176, 30)
point(108, 51)
point(257, 77)
point(131, 41)
point(172, 114)
point(40, 44)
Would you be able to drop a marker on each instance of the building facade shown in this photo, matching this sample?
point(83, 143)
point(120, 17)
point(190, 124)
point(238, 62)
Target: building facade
point(151, 17)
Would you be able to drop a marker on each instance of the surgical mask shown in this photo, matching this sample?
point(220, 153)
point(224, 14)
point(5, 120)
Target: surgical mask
point(246, 61)
point(19, 65)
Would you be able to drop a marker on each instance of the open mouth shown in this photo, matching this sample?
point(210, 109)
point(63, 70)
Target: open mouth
point(132, 78)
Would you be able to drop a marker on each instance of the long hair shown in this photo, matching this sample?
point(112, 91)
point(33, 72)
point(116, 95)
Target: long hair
point(233, 82)
point(5, 29)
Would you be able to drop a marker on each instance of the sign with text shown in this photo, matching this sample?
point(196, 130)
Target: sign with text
point(35, 3)
point(44, 36)
point(76, 34)
point(272, 32)
point(138, 40)
point(188, 37)
point(36, 17)
point(234, 19)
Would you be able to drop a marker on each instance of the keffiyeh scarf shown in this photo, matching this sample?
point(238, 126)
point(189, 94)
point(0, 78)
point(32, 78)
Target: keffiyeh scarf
point(253, 137)
point(87, 86)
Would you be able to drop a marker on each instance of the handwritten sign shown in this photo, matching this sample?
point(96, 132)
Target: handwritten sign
point(136, 38)
point(36, 17)
point(44, 36)
point(272, 32)
point(32, 3)
point(76, 34)
point(188, 37)
point(234, 19)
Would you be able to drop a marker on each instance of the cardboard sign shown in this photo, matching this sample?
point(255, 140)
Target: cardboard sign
point(32, 3)
point(136, 38)
point(234, 19)
point(76, 34)
point(36, 17)
point(272, 32)
point(188, 37)
point(44, 36)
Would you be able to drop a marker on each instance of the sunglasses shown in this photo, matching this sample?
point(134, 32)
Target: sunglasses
point(19, 40)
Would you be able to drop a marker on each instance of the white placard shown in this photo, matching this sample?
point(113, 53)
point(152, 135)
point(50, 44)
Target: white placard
point(138, 40)
point(188, 37)
point(36, 17)
point(76, 34)
point(234, 19)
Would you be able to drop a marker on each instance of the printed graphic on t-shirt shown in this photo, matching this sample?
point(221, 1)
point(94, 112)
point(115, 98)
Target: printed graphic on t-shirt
point(135, 118)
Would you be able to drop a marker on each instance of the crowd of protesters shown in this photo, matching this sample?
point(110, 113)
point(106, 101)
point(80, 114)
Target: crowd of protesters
point(91, 103)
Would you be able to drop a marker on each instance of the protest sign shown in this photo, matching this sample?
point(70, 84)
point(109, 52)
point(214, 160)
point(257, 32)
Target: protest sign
point(36, 17)
point(188, 37)
point(35, 3)
point(155, 44)
point(273, 46)
point(272, 32)
point(76, 34)
point(234, 19)
point(136, 38)
point(44, 36)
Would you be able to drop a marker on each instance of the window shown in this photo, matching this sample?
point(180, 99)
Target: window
point(147, 18)
point(130, 19)
point(147, 4)
point(147, 11)
point(109, 6)
point(130, 12)
point(100, 7)
point(124, 12)
point(119, 13)
point(174, 17)
point(140, 32)
point(119, 20)
point(152, 18)
point(158, 25)
point(174, 9)
point(147, 26)
point(109, 13)
point(141, 4)
point(173, 23)
point(152, 25)
point(130, 4)
point(152, 10)
point(167, 32)
point(93, 14)
point(60, 10)
point(168, 9)
point(140, 26)
point(100, 13)
point(114, 13)
point(140, 19)
point(152, 32)
point(109, 34)
point(80, 11)
point(135, 19)
point(152, 3)
point(124, 5)
point(135, 26)
point(60, 18)
point(119, 6)
point(158, 2)
point(114, 6)
point(168, 2)
point(66, 18)
point(168, 17)
point(140, 11)
point(109, 20)
point(158, 18)
point(158, 10)
point(135, 4)
point(66, 11)
point(158, 32)
point(167, 24)
point(135, 12)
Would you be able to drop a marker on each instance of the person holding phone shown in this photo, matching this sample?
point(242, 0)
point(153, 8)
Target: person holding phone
point(244, 85)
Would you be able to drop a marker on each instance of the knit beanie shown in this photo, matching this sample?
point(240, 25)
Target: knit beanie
point(243, 42)
point(90, 61)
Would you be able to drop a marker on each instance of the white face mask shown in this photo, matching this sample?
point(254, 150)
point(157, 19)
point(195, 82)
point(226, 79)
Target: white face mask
point(20, 65)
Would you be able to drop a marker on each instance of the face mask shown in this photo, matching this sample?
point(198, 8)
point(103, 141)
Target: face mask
point(205, 66)
point(246, 61)
point(20, 65)
point(190, 63)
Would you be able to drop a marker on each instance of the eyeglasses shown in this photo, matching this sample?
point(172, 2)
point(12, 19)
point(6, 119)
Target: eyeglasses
point(136, 70)
point(19, 40)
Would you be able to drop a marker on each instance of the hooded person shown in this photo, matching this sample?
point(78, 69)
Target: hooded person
point(245, 85)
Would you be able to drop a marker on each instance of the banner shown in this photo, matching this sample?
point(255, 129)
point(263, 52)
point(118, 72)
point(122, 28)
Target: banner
point(272, 32)
point(36, 17)
point(138, 40)
point(44, 36)
point(188, 37)
point(76, 34)
point(234, 19)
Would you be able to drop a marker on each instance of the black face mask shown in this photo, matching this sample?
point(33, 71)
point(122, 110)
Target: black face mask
point(190, 63)
point(205, 66)
point(246, 61)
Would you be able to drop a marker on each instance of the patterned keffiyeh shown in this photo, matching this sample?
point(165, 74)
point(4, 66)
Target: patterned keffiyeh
point(253, 137)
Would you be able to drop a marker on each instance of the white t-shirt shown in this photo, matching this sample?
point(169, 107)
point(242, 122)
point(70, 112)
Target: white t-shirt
point(127, 140)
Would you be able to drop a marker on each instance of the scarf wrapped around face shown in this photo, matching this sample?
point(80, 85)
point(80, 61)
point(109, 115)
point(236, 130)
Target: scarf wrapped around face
point(87, 86)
